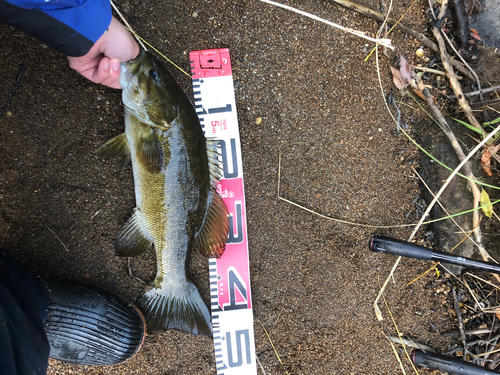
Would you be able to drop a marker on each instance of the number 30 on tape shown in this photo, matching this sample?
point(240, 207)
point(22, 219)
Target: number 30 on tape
point(232, 316)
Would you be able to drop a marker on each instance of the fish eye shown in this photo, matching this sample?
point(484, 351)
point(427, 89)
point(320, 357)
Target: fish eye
point(154, 74)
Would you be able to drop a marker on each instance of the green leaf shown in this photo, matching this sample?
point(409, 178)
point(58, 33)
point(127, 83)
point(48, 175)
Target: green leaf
point(473, 128)
point(484, 200)
point(489, 123)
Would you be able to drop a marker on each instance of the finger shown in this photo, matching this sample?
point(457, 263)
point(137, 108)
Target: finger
point(108, 73)
point(101, 72)
point(115, 72)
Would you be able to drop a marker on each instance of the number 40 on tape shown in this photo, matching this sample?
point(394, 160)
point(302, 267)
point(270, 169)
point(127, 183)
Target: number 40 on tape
point(232, 317)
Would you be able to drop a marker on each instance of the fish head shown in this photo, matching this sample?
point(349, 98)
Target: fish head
point(146, 89)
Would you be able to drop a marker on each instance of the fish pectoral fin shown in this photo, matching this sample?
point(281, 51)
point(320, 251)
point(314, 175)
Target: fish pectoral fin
point(213, 160)
point(149, 151)
point(124, 160)
point(211, 239)
point(116, 146)
point(132, 239)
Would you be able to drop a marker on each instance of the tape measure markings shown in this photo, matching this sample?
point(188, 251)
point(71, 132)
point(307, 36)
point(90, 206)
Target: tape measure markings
point(230, 294)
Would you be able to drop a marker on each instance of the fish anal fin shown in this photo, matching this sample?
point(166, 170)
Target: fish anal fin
point(132, 239)
point(149, 152)
point(175, 306)
point(211, 239)
point(117, 146)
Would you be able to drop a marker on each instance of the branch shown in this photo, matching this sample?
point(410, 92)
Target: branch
point(400, 26)
point(476, 193)
point(455, 85)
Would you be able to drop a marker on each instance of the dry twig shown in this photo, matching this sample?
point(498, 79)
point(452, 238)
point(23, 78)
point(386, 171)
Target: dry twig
point(411, 343)
point(378, 313)
point(128, 25)
point(54, 233)
point(384, 42)
point(467, 169)
point(400, 26)
point(455, 85)
point(484, 91)
point(460, 323)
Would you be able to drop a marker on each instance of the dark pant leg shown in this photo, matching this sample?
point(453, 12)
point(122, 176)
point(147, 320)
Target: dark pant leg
point(24, 348)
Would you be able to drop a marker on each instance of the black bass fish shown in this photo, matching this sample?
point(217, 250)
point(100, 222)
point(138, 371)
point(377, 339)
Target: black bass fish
point(175, 170)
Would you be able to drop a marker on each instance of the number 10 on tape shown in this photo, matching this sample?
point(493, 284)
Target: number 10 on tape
point(232, 317)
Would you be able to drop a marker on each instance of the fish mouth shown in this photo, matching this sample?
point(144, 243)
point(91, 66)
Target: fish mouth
point(134, 66)
point(131, 68)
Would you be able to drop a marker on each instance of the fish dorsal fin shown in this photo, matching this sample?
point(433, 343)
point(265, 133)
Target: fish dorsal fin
point(116, 146)
point(133, 238)
point(211, 239)
point(213, 160)
point(149, 152)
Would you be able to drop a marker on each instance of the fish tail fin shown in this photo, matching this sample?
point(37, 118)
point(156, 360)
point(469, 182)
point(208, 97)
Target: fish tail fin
point(176, 306)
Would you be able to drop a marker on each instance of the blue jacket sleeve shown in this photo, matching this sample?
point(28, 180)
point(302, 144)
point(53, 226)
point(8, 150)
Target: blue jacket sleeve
point(70, 26)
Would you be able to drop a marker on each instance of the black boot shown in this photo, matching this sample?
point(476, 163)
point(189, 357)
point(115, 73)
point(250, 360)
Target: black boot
point(91, 326)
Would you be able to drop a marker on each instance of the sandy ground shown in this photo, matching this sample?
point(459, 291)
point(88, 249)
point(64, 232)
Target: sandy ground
point(313, 281)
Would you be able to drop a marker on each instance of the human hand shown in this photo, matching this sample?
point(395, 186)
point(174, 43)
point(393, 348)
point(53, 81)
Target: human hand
point(102, 63)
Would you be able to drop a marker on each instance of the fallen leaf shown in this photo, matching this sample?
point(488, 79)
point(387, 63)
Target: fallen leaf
point(405, 69)
point(484, 200)
point(402, 77)
point(258, 120)
point(398, 79)
point(475, 34)
point(419, 93)
point(486, 162)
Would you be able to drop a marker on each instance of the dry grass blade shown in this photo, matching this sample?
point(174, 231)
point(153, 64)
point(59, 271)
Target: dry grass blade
point(275, 352)
point(397, 356)
point(328, 217)
point(141, 40)
point(429, 207)
point(411, 343)
point(488, 353)
point(384, 42)
point(161, 54)
point(54, 233)
point(478, 304)
point(438, 263)
point(260, 364)
point(127, 24)
point(399, 335)
point(483, 280)
point(406, 29)
point(393, 26)
point(360, 224)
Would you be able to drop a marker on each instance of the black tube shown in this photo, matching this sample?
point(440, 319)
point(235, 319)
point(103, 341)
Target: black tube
point(402, 248)
point(410, 250)
point(447, 364)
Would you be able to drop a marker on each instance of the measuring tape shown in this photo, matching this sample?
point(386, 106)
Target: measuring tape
point(232, 316)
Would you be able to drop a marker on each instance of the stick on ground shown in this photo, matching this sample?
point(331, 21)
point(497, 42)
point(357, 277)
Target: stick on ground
point(400, 26)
